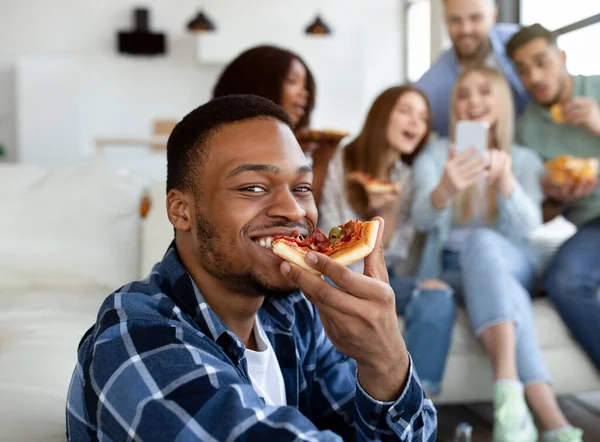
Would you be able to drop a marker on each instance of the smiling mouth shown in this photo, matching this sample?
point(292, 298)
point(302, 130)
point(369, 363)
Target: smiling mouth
point(299, 109)
point(265, 239)
point(411, 136)
point(474, 115)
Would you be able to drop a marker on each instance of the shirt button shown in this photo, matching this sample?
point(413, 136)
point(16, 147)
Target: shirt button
point(396, 418)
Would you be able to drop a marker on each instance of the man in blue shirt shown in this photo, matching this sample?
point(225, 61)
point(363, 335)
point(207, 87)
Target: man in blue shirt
point(220, 341)
point(476, 39)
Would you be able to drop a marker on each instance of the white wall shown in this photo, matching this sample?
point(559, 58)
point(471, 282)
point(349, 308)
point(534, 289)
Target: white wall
point(440, 41)
point(71, 43)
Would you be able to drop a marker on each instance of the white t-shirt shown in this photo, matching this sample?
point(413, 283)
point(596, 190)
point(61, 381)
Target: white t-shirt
point(264, 369)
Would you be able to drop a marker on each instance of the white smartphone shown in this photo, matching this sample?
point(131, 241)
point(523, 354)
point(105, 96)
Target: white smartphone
point(471, 134)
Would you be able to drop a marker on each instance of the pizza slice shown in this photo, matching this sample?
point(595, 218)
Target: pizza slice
point(345, 244)
point(567, 167)
point(318, 135)
point(373, 185)
point(556, 112)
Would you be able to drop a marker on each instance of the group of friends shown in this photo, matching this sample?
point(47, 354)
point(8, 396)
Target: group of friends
point(225, 341)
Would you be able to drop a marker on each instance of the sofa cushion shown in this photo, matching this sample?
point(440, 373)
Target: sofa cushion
point(39, 334)
point(68, 226)
point(551, 330)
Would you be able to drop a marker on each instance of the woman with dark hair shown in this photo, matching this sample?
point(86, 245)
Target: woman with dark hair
point(273, 73)
point(284, 78)
point(395, 131)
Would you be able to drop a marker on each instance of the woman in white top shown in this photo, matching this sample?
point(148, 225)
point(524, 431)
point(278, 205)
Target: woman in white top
point(396, 129)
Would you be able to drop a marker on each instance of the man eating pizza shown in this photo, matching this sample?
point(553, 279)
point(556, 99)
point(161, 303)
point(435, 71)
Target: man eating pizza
point(222, 341)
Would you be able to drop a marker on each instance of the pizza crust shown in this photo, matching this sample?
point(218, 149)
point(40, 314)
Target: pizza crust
point(372, 185)
point(381, 187)
point(556, 112)
point(293, 255)
point(318, 135)
point(347, 256)
point(567, 167)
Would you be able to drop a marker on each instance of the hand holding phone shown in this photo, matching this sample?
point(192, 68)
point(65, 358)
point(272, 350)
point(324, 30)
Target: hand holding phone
point(466, 162)
point(461, 172)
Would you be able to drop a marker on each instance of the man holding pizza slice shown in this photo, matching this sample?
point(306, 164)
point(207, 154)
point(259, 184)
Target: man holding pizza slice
point(225, 340)
point(562, 124)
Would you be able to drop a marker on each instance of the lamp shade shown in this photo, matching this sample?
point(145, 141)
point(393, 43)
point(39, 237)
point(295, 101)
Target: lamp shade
point(318, 27)
point(201, 23)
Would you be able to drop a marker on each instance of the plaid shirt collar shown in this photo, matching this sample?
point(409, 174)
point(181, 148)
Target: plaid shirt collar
point(184, 292)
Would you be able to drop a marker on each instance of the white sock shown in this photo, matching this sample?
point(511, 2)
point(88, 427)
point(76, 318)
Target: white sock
point(550, 435)
point(510, 383)
point(510, 387)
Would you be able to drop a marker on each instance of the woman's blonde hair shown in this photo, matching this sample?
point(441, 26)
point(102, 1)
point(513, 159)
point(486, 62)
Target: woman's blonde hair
point(476, 197)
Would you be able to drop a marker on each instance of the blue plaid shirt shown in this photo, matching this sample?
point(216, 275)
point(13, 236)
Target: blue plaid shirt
point(160, 365)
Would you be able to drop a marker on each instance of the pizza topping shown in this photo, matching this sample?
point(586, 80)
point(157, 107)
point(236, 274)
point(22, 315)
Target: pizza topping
point(335, 234)
point(317, 240)
point(354, 240)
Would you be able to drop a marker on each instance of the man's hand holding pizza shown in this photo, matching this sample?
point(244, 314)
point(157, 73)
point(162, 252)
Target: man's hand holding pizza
point(359, 317)
point(569, 191)
point(583, 112)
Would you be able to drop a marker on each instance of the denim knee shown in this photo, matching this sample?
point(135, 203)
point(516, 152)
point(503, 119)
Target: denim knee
point(558, 282)
point(429, 320)
point(481, 240)
point(433, 306)
point(564, 276)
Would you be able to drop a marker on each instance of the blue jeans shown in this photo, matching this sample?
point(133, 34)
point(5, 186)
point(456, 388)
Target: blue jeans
point(572, 280)
point(429, 316)
point(494, 279)
point(428, 320)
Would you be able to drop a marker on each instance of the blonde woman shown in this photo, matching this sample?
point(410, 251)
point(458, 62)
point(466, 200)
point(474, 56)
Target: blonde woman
point(479, 212)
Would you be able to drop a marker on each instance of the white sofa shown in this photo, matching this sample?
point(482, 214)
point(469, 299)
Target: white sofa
point(71, 235)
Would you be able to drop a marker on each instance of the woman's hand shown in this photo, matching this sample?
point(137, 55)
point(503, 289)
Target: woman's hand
point(461, 172)
point(500, 171)
point(380, 201)
point(308, 147)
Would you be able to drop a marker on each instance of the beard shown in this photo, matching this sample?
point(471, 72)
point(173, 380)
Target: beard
point(216, 255)
point(478, 55)
point(559, 92)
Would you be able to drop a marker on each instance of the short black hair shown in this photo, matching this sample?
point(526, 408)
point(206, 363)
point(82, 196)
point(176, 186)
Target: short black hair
point(528, 34)
point(262, 70)
point(188, 144)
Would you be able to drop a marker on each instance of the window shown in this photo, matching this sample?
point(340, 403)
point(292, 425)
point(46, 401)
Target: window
point(582, 58)
point(418, 38)
point(555, 14)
